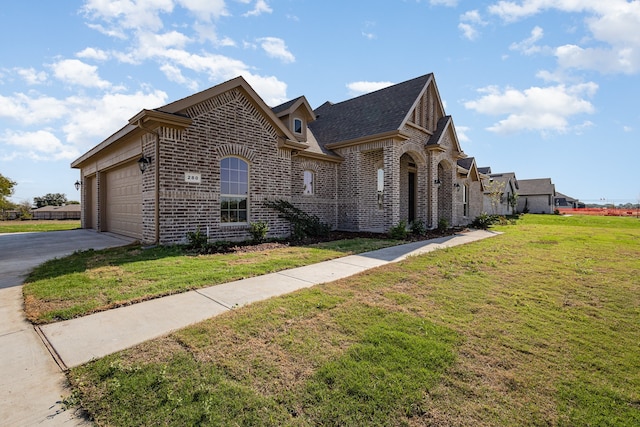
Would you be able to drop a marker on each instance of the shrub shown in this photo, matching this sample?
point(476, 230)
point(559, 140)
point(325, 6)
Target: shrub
point(484, 221)
point(443, 225)
point(258, 231)
point(304, 224)
point(197, 240)
point(399, 231)
point(418, 227)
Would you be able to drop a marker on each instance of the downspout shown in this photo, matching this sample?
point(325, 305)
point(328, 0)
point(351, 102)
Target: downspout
point(156, 178)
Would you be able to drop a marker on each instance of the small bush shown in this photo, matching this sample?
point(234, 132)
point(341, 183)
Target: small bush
point(418, 227)
point(399, 231)
point(484, 221)
point(197, 240)
point(304, 224)
point(258, 231)
point(443, 225)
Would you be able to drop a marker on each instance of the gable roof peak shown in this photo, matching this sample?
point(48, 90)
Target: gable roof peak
point(373, 113)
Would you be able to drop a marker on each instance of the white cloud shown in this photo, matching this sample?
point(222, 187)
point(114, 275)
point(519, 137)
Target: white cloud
point(92, 53)
point(613, 25)
point(30, 109)
point(128, 14)
point(31, 76)
point(38, 145)
point(450, 3)
point(276, 48)
point(627, 128)
point(76, 72)
point(528, 46)
point(205, 10)
point(260, 8)
point(90, 120)
point(469, 23)
point(174, 74)
point(362, 87)
point(461, 131)
point(542, 109)
point(270, 89)
point(148, 43)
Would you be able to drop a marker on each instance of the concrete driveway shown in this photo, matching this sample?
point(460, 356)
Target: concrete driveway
point(32, 384)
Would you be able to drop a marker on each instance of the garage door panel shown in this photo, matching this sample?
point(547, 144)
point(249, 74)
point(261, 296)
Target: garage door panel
point(124, 201)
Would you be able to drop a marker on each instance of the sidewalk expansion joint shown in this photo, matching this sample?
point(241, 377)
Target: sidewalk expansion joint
point(214, 300)
point(54, 354)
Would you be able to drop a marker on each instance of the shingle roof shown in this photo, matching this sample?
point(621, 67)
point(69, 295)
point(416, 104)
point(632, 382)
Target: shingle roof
point(285, 106)
point(371, 114)
point(486, 170)
point(529, 187)
point(440, 128)
point(466, 162)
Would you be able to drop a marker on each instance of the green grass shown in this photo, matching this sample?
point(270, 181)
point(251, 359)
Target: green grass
point(90, 281)
point(37, 225)
point(538, 326)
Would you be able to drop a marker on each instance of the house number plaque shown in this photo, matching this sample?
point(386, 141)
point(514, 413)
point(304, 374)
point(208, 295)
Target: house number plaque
point(192, 177)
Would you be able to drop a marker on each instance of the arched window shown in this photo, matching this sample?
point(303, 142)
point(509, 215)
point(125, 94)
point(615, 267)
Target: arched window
point(309, 183)
point(297, 126)
point(465, 200)
point(234, 190)
point(380, 187)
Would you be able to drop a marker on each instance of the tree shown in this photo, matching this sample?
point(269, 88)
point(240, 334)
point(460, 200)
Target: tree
point(6, 190)
point(495, 191)
point(513, 201)
point(50, 199)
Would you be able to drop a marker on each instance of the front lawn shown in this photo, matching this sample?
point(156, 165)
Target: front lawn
point(538, 326)
point(38, 225)
point(90, 281)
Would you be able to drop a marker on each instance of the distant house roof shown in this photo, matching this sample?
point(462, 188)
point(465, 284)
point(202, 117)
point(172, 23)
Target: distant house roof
point(539, 186)
point(507, 178)
point(378, 112)
point(564, 196)
point(485, 170)
point(65, 208)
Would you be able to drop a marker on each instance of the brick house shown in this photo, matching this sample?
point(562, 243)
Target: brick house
point(537, 195)
point(210, 161)
point(508, 185)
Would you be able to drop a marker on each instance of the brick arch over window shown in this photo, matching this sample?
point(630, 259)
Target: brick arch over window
point(236, 150)
point(309, 165)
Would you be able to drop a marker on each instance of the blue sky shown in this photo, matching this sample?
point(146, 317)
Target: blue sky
point(542, 88)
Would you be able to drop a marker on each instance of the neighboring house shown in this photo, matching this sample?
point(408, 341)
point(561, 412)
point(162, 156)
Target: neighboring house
point(499, 188)
point(469, 191)
point(536, 195)
point(564, 201)
point(210, 161)
point(57, 212)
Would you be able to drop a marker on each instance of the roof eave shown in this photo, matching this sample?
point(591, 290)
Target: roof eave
point(152, 119)
point(319, 156)
point(398, 134)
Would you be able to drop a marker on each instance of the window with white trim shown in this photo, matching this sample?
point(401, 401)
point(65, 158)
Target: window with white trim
point(309, 183)
point(234, 190)
point(297, 126)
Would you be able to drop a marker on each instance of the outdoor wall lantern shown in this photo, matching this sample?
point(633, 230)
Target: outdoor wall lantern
point(143, 162)
point(77, 184)
point(456, 186)
point(437, 181)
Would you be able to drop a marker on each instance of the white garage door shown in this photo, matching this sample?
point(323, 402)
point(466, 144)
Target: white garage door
point(124, 201)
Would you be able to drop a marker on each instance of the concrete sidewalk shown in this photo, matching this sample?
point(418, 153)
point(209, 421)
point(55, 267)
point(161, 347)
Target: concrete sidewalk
point(31, 384)
point(77, 341)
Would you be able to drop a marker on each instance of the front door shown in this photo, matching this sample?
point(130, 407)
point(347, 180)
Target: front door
point(412, 196)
